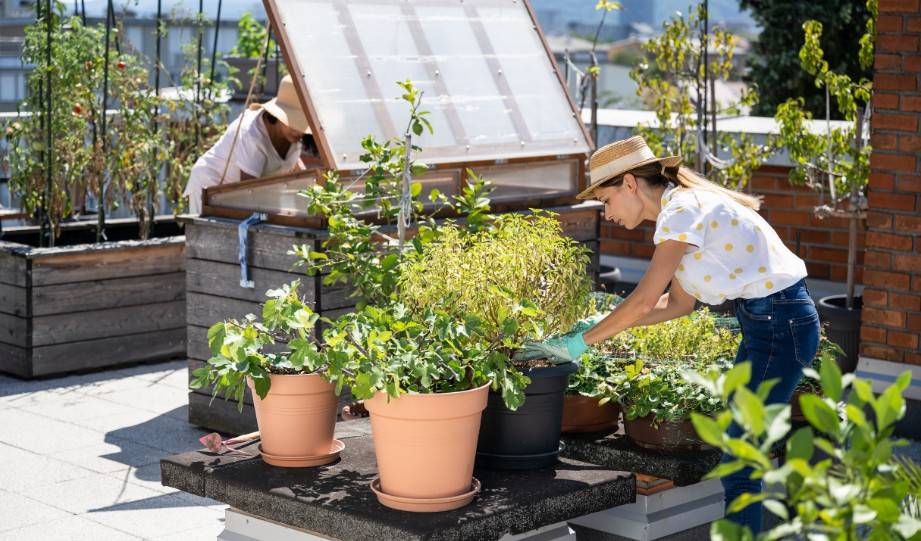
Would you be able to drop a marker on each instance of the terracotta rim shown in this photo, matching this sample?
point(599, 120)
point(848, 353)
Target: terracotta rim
point(304, 461)
point(425, 505)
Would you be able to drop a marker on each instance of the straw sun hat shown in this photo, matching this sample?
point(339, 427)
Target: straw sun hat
point(619, 157)
point(286, 107)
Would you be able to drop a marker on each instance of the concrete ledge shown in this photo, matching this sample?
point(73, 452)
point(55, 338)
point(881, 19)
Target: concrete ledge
point(335, 501)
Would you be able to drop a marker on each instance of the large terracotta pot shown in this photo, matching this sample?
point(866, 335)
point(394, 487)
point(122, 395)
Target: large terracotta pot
point(425, 446)
point(582, 414)
point(670, 436)
point(296, 420)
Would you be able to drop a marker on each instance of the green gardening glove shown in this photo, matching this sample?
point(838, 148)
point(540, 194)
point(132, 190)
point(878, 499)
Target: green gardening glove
point(564, 348)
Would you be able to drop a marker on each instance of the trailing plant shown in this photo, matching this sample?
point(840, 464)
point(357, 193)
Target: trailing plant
point(485, 273)
point(279, 342)
point(677, 64)
point(854, 490)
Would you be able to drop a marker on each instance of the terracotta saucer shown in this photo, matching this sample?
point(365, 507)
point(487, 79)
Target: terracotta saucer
point(304, 461)
point(425, 505)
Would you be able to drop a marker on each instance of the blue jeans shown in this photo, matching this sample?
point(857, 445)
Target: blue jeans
point(780, 337)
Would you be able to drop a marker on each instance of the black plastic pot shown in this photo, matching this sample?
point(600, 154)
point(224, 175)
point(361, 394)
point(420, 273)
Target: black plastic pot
point(842, 326)
point(529, 437)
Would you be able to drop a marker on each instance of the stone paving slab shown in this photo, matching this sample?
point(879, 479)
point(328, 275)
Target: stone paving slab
point(336, 501)
point(618, 452)
point(80, 458)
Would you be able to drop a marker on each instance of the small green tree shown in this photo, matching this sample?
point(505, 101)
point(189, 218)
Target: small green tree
point(857, 489)
point(683, 58)
point(837, 161)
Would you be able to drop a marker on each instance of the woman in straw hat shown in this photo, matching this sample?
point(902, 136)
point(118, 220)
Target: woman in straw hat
point(265, 140)
point(711, 246)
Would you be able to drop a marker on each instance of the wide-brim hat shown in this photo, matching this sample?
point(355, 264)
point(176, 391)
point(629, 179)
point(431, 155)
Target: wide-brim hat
point(286, 106)
point(620, 157)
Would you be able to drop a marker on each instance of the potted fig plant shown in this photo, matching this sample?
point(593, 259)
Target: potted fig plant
point(486, 274)
point(275, 356)
point(425, 379)
point(650, 382)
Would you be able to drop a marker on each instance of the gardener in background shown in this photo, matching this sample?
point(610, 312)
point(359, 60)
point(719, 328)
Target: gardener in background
point(711, 245)
point(267, 139)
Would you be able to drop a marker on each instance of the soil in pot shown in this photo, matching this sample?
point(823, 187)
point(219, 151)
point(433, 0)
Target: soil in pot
point(582, 414)
point(842, 326)
point(296, 421)
point(529, 437)
point(425, 445)
point(668, 436)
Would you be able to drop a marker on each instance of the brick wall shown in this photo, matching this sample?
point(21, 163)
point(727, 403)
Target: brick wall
point(821, 243)
point(891, 319)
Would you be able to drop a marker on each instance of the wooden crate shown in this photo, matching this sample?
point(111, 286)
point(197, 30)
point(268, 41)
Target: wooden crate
point(214, 292)
point(86, 306)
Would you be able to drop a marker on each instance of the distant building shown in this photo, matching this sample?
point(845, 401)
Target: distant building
point(15, 15)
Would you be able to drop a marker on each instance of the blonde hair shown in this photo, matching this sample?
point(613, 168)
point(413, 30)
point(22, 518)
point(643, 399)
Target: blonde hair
point(656, 175)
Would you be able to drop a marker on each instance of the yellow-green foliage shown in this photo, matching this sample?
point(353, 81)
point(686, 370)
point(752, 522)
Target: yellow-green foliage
point(517, 258)
point(696, 337)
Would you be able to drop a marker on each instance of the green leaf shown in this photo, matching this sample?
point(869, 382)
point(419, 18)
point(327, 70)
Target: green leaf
point(743, 450)
point(863, 514)
point(751, 409)
point(707, 429)
point(744, 500)
point(725, 530)
point(262, 384)
point(777, 508)
point(216, 335)
point(726, 468)
point(415, 189)
point(886, 510)
point(830, 378)
point(908, 526)
point(801, 444)
point(819, 414)
point(737, 376)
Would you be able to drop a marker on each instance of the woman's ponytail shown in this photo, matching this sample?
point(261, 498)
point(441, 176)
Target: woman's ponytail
point(687, 178)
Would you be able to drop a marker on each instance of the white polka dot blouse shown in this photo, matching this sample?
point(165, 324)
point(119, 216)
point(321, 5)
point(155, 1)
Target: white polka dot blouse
point(732, 251)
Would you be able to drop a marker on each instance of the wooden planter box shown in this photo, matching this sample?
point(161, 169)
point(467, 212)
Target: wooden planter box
point(83, 306)
point(214, 292)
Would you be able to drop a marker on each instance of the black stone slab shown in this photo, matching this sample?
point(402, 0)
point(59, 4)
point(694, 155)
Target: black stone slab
point(336, 501)
point(616, 451)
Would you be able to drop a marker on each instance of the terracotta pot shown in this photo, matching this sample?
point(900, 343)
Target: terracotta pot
point(425, 445)
point(669, 436)
point(296, 419)
point(582, 414)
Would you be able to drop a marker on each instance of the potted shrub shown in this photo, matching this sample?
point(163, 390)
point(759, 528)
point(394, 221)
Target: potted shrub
point(243, 58)
point(295, 403)
point(655, 394)
point(424, 378)
point(485, 274)
point(837, 165)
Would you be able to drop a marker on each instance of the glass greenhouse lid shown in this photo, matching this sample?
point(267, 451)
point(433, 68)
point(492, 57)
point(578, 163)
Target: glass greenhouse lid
point(490, 84)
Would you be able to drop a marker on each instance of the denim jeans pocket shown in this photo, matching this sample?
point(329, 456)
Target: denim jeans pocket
point(805, 331)
point(761, 309)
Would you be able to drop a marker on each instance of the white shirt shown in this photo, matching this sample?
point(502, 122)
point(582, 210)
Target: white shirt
point(253, 154)
point(733, 252)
